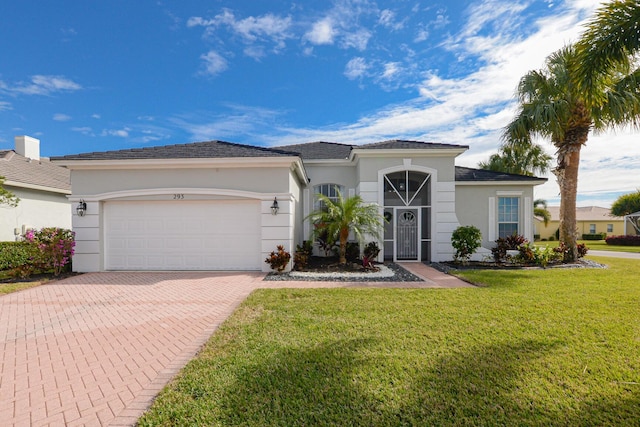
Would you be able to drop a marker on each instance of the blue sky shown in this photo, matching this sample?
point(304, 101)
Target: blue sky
point(93, 76)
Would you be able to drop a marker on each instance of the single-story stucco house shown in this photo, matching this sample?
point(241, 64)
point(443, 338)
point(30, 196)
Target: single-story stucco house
point(589, 220)
point(42, 187)
point(208, 205)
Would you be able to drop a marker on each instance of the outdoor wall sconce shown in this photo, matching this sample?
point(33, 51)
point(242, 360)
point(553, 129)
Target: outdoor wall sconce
point(274, 207)
point(82, 208)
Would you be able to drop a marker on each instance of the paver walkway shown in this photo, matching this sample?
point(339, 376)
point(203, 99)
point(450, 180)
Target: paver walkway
point(95, 349)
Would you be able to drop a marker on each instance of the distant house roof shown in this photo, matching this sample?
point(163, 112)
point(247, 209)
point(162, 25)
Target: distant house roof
point(586, 213)
point(20, 171)
point(471, 174)
point(207, 149)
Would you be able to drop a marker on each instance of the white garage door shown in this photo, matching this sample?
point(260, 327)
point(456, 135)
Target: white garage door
point(182, 235)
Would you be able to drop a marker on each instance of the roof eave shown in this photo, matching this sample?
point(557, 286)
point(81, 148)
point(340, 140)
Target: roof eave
point(221, 162)
point(538, 181)
point(412, 152)
point(17, 184)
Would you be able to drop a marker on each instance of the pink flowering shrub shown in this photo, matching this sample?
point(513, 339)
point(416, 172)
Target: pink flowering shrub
point(55, 246)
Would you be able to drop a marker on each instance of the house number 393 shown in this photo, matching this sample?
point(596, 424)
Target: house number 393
point(178, 196)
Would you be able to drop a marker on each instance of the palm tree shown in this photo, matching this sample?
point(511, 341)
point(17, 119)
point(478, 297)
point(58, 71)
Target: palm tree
point(519, 158)
point(610, 41)
point(540, 210)
point(338, 218)
point(552, 106)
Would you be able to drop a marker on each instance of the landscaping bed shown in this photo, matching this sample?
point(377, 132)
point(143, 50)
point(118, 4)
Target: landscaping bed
point(329, 268)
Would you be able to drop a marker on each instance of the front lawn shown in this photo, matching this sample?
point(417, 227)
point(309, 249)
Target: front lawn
point(532, 347)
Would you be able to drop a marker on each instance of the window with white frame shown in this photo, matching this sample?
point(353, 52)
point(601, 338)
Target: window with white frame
point(592, 229)
point(508, 216)
point(609, 228)
point(328, 190)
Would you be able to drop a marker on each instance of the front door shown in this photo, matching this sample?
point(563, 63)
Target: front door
point(407, 234)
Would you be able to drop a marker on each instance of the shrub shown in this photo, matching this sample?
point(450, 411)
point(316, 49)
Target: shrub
point(16, 254)
point(278, 260)
point(352, 253)
point(623, 240)
point(563, 250)
point(504, 244)
point(56, 246)
point(302, 255)
point(371, 251)
point(465, 240)
point(526, 253)
point(594, 236)
point(545, 256)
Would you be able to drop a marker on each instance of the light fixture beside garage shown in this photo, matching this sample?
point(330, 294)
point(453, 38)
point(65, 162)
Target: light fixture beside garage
point(274, 207)
point(82, 208)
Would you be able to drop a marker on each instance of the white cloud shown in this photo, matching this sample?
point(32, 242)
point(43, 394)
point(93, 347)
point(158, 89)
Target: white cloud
point(214, 63)
point(121, 133)
point(388, 19)
point(95, 116)
point(322, 32)
point(59, 117)
point(5, 106)
point(42, 85)
point(356, 68)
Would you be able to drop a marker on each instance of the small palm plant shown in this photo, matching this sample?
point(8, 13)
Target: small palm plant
point(338, 218)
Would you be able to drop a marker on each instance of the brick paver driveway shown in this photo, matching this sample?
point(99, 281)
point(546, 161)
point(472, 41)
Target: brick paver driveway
point(94, 349)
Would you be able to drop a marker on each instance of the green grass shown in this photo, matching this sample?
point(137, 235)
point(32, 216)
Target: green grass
point(531, 347)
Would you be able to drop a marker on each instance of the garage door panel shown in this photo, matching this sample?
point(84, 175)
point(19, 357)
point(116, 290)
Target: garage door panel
point(211, 235)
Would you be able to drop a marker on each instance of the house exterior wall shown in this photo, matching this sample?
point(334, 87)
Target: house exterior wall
point(260, 183)
point(583, 227)
point(37, 209)
point(477, 204)
point(371, 173)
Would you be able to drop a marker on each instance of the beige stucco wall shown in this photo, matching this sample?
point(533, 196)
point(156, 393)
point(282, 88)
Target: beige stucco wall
point(37, 209)
point(549, 230)
point(263, 183)
point(477, 204)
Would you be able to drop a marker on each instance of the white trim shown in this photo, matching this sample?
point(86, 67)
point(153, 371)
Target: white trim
point(181, 190)
point(499, 183)
point(8, 183)
point(509, 193)
point(493, 221)
point(527, 213)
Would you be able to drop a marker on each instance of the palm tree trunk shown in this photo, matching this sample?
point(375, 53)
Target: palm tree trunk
point(567, 177)
point(344, 236)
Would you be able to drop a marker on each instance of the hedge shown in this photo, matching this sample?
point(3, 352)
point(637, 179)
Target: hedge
point(16, 254)
point(623, 240)
point(594, 236)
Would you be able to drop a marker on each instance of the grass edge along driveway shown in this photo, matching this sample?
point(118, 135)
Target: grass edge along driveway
point(543, 347)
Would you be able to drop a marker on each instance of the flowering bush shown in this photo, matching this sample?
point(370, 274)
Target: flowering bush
point(278, 260)
point(55, 245)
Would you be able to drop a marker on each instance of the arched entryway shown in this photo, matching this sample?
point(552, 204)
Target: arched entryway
point(407, 209)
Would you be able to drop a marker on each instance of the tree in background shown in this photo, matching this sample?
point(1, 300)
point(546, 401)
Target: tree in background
point(518, 158)
point(628, 204)
point(6, 196)
point(540, 210)
point(552, 106)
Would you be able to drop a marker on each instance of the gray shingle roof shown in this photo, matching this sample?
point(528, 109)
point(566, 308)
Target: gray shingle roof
point(19, 169)
point(332, 150)
point(403, 144)
point(470, 174)
point(319, 150)
point(207, 149)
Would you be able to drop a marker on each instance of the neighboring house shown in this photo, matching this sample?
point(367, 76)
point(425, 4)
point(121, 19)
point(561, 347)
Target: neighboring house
point(41, 186)
point(589, 220)
point(208, 205)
